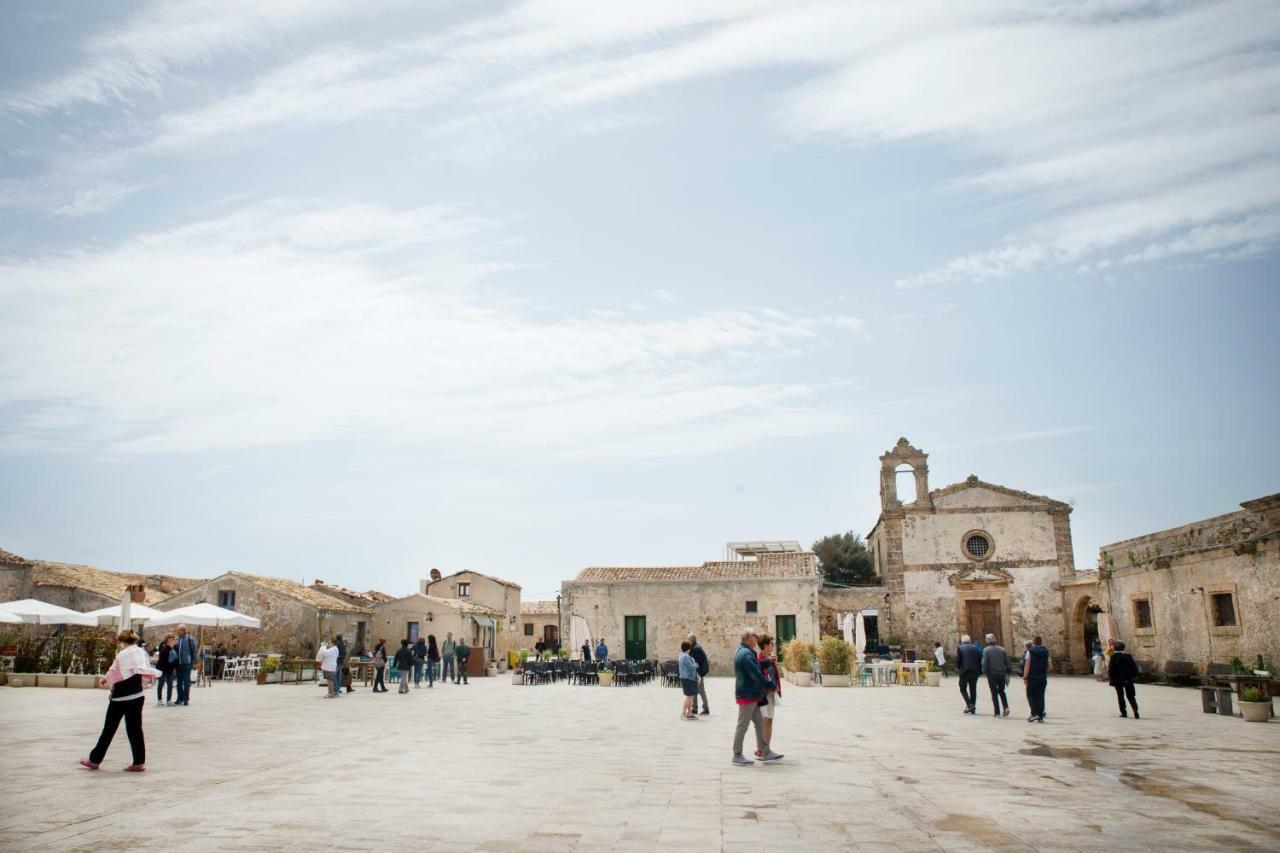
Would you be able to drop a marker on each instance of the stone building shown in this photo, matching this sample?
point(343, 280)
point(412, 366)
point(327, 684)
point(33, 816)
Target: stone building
point(487, 591)
point(295, 618)
point(646, 612)
point(1188, 597)
point(973, 557)
point(80, 587)
point(419, 615)
point(539, 620)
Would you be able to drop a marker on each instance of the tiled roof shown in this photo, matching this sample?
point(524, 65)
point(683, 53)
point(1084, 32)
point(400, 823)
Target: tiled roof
point(305, 594)
point(106, 583)
point(481, 574)
point(539, 608)
point(370, 596)
point(766, 567)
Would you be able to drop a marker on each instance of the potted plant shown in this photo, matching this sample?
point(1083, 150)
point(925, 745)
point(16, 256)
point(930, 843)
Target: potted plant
point(932, 675)
point(27, 658)
point(606, 677)
point(834, 660)
point(799, 659)
point(1255, 705)
point(270, 666)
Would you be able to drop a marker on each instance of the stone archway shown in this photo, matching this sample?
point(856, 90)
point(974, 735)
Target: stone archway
point(1085, 628)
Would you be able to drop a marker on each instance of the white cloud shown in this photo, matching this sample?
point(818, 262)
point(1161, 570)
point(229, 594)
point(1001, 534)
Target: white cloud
point(288, 322)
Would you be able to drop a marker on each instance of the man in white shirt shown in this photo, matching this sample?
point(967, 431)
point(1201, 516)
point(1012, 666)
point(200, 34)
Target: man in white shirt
point(329, 666)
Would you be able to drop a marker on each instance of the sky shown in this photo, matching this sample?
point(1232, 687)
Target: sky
point(352, 291)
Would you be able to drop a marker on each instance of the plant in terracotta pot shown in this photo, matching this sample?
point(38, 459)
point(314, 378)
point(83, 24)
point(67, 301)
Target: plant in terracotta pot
point(799, 662)
point(1255, 705)
point(834, 660)
point(932, 675)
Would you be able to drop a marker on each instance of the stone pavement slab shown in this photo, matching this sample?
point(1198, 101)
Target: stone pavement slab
point(494, 766)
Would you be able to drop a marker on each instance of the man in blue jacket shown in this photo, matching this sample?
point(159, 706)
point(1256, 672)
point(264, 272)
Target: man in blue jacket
point(187, 656)
point(969, 667)
point(749, 690)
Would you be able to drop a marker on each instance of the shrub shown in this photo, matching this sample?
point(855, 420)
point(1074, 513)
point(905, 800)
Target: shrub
point(1253, 694)
point(931, 666)
point(799, 656)
point(269, 666)
point(834, 656)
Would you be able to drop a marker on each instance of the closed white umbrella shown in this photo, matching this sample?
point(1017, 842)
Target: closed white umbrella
point(35, 612)
point(111, 615)
point(860, 638)
point(204, 614)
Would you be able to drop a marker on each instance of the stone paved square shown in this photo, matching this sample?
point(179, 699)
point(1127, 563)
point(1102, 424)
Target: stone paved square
point(494, 766)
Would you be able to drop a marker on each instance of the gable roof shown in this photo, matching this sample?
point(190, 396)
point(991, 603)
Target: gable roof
point(972, 482)
point(766, 567)
point(100, 581)
point(293, 589)
point(480, 574)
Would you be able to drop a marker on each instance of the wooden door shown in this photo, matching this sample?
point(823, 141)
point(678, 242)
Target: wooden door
point(983, 619)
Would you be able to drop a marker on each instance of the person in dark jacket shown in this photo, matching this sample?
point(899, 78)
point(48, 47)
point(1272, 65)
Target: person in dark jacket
point(969, 667)
point(463, 653)
point(586, 650)
point(699, 656)
point(433, 658)
point(404, 663)
point(380, 667)
point(1121, 673)
point(419, 658)
point(748, 689)
point(344, 668)
point(1035, 674)
point(167, 663)
point(995, 666)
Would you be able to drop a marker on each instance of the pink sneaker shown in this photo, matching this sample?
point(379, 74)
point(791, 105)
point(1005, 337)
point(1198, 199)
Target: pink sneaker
point(759, 753)
point(87, 764)
point(134, 768)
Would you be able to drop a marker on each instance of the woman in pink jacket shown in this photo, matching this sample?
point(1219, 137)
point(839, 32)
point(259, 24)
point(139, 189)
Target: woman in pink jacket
point(129, 677)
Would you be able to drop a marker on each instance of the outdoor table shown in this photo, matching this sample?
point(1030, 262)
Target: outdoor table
point(297, 665)
point(883, 671)
point(361, 668)
point(916, 669)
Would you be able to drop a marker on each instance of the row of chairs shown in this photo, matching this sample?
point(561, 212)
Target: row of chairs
point(238, 669)
point(548, 671)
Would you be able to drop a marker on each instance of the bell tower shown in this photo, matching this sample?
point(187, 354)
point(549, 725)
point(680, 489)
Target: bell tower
point(890, 463)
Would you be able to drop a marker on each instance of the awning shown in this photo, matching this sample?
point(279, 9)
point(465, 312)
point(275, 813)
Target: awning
point(485, 622)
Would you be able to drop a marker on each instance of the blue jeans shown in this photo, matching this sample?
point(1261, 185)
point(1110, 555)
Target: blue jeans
point(447, 671)
point(417, 672)
point(184, 683)
point(335, 681)
point(431, 673)
point(161, 682)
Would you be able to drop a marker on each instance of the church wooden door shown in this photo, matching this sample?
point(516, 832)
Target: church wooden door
point(983, 619)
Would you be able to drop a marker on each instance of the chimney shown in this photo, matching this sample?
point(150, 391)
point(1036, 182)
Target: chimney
point(435, 574)
point(137, 593)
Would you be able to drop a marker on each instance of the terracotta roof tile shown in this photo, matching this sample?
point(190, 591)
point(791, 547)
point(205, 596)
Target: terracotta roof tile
point(107, 583)
point(369, 597)
point(305, 594)
point(766, 567)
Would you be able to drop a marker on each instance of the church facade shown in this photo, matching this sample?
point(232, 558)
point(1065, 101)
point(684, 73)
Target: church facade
point(969, 558)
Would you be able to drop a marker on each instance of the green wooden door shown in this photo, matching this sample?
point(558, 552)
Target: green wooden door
point(786, 628)
point(635, 637)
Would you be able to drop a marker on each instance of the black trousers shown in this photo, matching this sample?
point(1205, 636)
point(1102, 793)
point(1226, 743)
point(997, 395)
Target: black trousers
point(1036, 685)
point(131, 712)
point(378, 683)
point(1123, 690)
point(996, 684)
point(969, 688)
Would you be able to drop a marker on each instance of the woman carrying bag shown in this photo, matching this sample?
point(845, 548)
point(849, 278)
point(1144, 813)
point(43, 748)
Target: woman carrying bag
point(380, 667)
point(129, 678)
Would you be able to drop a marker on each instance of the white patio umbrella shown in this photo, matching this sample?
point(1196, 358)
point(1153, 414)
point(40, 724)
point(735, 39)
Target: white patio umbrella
point(10, 618)
point(35, 612)
point(112, 615)
point(204, 614)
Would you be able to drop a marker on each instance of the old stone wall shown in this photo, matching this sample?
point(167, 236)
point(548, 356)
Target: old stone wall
point(1019, 537)
point(1180, 592)
point(13, 582)
point(288, 624)
point(539, 623)
point(714, 610)
point(835, 600)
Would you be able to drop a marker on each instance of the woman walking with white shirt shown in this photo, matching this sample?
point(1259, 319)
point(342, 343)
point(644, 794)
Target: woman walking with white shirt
point(129, 677)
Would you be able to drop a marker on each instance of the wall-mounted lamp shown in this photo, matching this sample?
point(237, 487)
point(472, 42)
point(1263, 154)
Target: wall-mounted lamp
point(430, 616)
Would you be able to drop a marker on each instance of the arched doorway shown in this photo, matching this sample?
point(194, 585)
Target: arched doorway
point(1086, 628)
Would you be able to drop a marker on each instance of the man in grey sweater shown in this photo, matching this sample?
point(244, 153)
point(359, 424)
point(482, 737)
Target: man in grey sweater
point(995, 666)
